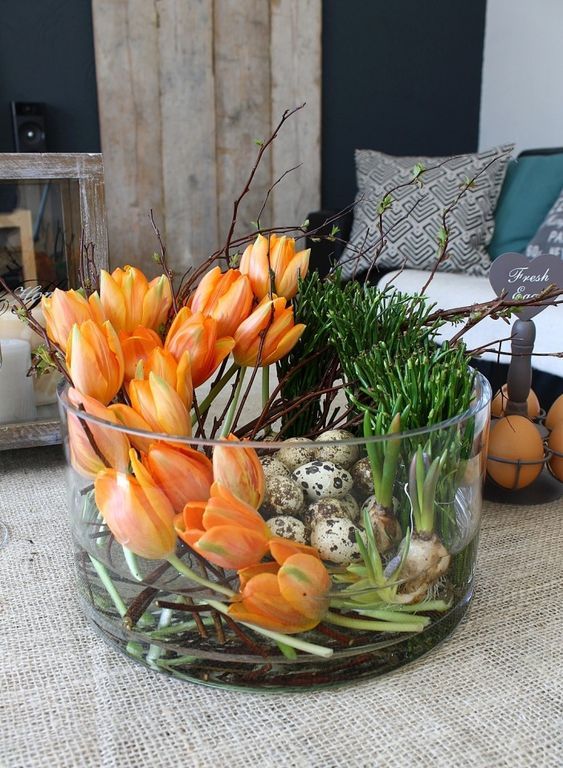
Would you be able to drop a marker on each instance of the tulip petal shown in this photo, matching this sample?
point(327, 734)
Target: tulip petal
point(285, 345)
point(112, 301)
point(263, 604)
point(93, 447)
point(146, 530)
point(304, 582)
point(231, 547)
point(245, 574)
point(255, 263)
point(185, 475)
point(281, 549)
point(224, 508)
point(238, 469)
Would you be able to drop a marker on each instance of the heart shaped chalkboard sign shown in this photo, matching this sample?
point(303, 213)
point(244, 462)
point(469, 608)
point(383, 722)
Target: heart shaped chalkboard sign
point(516, 277)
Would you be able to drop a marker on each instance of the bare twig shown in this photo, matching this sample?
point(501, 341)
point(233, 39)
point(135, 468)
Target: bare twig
point(263, 147)
point(163, 262)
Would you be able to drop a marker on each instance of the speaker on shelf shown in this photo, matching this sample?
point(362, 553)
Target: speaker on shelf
point(28, 125)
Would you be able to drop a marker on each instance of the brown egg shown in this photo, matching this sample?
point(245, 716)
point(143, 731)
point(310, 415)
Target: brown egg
point(555, 413)
point(555, 444)
point(514, 438)
point(501, 398)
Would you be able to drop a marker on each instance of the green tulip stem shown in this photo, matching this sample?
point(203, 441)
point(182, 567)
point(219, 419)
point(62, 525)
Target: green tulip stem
point(288, 640)
point(234, 403)
point(214, 391)
point(182, 568)
point(154, 652)
point(371, 626)
point(131, 560)
point(110, 587)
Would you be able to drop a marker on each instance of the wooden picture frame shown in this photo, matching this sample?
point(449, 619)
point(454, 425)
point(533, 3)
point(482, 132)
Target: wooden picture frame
point(80, 179)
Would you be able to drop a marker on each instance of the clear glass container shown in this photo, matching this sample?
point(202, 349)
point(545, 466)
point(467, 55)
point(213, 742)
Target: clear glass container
point(164, 619)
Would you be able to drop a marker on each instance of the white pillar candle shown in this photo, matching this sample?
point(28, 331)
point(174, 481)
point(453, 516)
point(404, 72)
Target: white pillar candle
point(17, 401)
point(12, 327)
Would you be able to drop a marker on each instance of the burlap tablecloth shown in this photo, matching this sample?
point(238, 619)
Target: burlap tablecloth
point(492, 695)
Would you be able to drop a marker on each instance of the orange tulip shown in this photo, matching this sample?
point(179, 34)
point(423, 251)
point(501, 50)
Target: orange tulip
point(293, 599)
point(136, 511)
point(178, 375)
point(132, 420)
point(62, 309)
point(95, 360)
point(255, 262)
point(226, 297)
point(92, 446)
point(225, 530)
point(238, 469)
point(183, 474)
point(160, 405)
point(287, 265)
point(274, 267)
point(197, 335)
point(129, 300)
point(136, 347)
point(272, 316)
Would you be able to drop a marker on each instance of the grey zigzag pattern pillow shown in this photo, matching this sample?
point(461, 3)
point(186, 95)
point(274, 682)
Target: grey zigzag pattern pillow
point(412, 235)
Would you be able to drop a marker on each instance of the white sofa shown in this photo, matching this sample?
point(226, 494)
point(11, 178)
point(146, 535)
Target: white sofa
point(450, 290)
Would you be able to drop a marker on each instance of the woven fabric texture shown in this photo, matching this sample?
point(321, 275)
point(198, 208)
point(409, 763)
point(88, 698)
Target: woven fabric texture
point(412, 223)
point(491, 695)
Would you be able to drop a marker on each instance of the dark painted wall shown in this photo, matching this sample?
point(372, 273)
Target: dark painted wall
point(47, 54)
point(400, 76)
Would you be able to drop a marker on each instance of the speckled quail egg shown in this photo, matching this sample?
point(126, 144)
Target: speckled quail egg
point(363, 481)
point(325, 508)
point(351, 506)
point(288, 527)
point(283, 496)
point(323, 478)
point(293, 456)
point(343, 455)
point(273, 467)
point(335, 540)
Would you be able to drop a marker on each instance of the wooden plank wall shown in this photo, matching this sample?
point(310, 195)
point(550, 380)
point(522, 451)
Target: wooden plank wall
point(184, 89)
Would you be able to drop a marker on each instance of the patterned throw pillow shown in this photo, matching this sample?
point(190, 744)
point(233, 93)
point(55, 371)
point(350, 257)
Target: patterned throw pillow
point(549, 237)
point(412, 224)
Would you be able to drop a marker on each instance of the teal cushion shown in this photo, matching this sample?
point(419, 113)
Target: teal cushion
point(531, 186)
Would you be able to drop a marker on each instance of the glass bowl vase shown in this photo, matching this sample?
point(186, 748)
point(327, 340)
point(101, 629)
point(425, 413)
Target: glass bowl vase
point(172, 614)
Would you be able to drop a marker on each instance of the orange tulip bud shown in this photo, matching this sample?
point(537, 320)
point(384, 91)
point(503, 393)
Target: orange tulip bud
point(129, 300)
point(136, 511)
point(183, 474)
point(95, 360)
point(162, 363)
point(137, 347)
point(225, 531)
point(304, 583)
point(272, 316)
point(226, 297)
point(238, 469)
point(290, 601)
point(132, 420)
point(255, 263)
point(62, 309)
point(287, 265)
point(274, 267)
point(197, 335)
point(160, 405)
point(92, 446)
